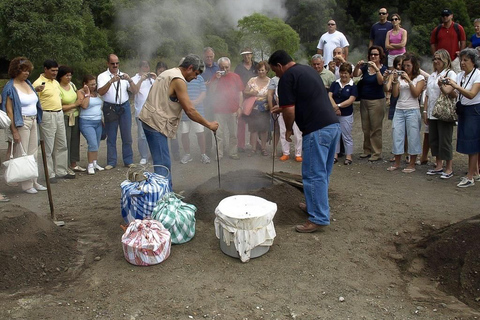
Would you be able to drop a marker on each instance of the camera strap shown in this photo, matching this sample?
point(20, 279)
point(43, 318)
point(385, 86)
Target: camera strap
point(461, 84)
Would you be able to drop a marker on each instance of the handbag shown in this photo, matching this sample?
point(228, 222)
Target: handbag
point(4, 120)
point(444, 108)
point(22, 168)
point(248, 105)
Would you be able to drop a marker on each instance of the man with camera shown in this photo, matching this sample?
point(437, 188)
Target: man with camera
point(113, 86)
point(143, 80)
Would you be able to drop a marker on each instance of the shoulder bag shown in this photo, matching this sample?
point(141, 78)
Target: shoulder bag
point(22, 168)
point(445, 108)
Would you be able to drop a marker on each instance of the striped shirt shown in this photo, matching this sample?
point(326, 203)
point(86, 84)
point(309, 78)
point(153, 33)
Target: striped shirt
point(195, 89)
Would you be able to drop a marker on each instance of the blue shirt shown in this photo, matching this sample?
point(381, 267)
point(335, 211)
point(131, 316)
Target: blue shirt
point(10, 92)
point(475, 41)
point(210, 71)
point(369, 88)
point(195, 89)
point(342, 94)
point(94, 109)
point(378, 33)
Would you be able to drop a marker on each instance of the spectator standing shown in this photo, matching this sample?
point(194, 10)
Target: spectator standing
point(22, 105)
point(196, 92)
point(396, 40)
point(211, 67)
point(246, 70)
point(331, 40)
point(475, 38)
point(378, 32)
point(91, 121)
point(319, 65)
point(143, 80)
point(113, 86)
point(450, 36)
point(227, 91)
point(52, 127)
point(70, 103)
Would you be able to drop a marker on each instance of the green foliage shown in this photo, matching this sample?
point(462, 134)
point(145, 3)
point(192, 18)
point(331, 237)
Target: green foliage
point(267, 35)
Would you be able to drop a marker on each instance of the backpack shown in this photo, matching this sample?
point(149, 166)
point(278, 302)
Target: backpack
point(455, 26)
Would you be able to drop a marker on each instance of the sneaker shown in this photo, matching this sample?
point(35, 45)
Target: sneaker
point(97, 167)
point(143, 161)
point(186, 158)
point(298, 159)
point(69, 175)
point(433, 172)
point(205, 159)
point(78, 169)
point(31, 191)
point(91, 170)
point(39, 187)
point(109, 167)
point(465, 183)
point(70, 172)
point(476, 178)
point(285, 157)
point(446, 175)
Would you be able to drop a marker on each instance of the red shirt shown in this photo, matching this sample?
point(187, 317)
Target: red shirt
point(225, 93)
point(447, 39)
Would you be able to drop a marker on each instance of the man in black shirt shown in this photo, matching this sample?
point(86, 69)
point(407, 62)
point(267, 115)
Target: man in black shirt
point(304, 99)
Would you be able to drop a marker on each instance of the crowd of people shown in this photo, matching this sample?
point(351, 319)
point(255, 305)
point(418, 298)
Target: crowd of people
point(390, 81)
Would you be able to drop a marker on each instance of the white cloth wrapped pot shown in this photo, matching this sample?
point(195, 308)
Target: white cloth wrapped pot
point(146, 242)
point(246, 222)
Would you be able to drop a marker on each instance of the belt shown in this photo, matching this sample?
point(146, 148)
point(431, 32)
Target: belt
point(29, 117)
point(52, 110)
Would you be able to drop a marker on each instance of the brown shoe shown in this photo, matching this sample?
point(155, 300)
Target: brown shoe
point(308, 227)
point(303, 206)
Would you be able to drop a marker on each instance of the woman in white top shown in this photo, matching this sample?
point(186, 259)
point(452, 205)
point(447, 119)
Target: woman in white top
point(467, 85)
point(440, 132)
point(21, 103)
point(408, 84)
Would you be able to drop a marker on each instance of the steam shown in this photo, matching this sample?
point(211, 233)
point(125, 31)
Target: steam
point(181, 25)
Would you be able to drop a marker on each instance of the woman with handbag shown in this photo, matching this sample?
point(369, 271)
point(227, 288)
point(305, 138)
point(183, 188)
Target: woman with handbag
point(467, 86)
point(22, 105)
point(440, 95)
point(259, 118)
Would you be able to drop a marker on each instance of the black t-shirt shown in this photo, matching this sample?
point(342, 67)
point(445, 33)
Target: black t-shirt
point(301, 86)
point(245, 73)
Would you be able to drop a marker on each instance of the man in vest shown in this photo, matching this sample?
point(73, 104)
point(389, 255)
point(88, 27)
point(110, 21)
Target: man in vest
point(160, 115)
point(449, 36)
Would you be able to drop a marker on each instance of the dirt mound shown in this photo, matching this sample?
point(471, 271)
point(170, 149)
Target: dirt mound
point(207, 196)
point(33, 250)
point(452, 258)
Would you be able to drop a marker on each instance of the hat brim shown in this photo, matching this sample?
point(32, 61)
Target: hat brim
point(246, 52)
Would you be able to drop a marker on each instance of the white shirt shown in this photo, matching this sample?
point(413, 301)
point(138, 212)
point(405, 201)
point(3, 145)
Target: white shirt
point(405, 99)
point(433, 90)
point(329, 41)
point(109, 97)
point(142, 94)
point(462, 81)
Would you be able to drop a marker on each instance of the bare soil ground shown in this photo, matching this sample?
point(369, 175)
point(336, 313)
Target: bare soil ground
point(400, 246)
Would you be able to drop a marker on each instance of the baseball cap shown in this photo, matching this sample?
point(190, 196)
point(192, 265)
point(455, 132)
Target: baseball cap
point(246, 50)
point(446, 12)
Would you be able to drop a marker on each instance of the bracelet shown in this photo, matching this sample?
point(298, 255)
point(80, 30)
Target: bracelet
point(424, 111)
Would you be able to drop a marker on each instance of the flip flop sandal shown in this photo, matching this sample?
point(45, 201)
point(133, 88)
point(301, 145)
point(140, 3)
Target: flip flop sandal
point(392, 168)
point(347, 162)
point(408, 170)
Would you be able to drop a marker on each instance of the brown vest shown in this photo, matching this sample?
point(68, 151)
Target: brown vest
point(159, 111)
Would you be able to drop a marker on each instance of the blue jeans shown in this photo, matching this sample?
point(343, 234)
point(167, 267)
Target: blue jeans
point(158, 144)
point(142, 140)
point(318, 153)
point(406, 121)
point(92, 131)
point(111, 128)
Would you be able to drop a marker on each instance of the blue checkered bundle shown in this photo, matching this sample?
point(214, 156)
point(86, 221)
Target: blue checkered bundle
point(177, 217)
point(139, 198)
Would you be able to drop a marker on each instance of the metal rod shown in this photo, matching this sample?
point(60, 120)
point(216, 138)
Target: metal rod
point(218, 159)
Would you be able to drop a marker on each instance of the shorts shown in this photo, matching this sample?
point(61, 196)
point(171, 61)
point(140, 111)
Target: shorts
point(392, 57)
point(186, 126)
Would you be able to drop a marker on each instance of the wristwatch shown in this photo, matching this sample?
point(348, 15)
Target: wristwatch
point(87, 95)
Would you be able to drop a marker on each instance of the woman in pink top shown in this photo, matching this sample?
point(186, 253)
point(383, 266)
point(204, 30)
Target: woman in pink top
point(396, 40)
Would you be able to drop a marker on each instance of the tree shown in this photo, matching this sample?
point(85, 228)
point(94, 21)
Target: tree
point(268, 35)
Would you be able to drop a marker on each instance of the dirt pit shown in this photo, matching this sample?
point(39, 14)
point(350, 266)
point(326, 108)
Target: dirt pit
point(207, 196)
point(33, 250)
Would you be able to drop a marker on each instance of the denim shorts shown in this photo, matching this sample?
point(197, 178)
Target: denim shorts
point(406, 121)
point(92, 131)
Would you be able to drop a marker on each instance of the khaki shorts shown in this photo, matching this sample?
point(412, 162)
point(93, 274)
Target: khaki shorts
point(186, 126)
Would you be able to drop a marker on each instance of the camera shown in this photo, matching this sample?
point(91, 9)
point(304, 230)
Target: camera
point(122, 76)
point(400, 72)
point(445, 81)
point(222, 73)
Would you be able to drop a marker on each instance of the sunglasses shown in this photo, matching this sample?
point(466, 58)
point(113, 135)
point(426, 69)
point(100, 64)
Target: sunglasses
point(330, 24)
point(374, 54)
point(382, 13)
point(395, 19)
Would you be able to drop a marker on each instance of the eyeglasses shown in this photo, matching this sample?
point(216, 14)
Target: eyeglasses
point(374, 54)
point(382, 13)
point(330, 24)
point(395, 19)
